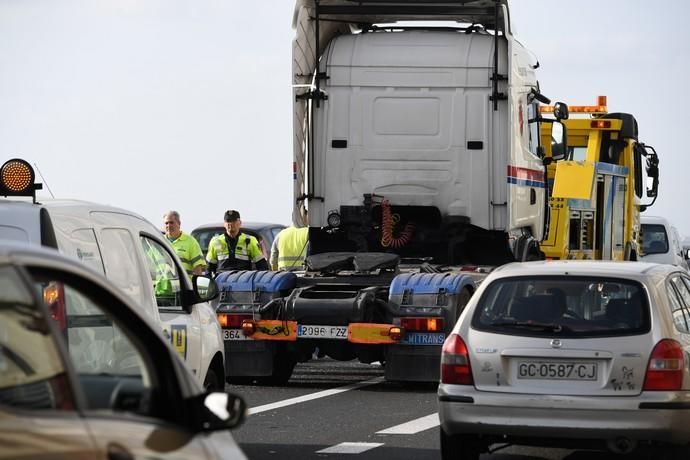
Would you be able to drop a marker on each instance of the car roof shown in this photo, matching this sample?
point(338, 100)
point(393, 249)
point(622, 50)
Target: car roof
point(584, 268)
point(654, 220)
point(64, 204)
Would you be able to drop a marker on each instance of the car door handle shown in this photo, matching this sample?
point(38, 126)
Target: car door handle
point(117, 452)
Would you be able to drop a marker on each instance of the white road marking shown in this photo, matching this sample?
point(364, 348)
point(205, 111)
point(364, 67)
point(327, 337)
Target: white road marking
point(309, 397)
point(350, 448)
point(413, 426)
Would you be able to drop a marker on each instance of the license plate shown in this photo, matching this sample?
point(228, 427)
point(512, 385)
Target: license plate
point(234, 334)
point(423, 338)
point(550, 370)
point(321, 332)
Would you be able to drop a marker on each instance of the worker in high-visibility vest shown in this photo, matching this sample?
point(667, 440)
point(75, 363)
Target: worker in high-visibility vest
point(289, 249)
point(234, 250)
point(186, 247)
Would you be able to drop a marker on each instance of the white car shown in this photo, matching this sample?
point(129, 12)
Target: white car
point(131, 253)
point(661, 242)
point(575, 354)
point(83, 374)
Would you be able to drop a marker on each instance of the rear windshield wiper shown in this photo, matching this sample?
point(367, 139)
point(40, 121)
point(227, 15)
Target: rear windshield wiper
point(552, 327)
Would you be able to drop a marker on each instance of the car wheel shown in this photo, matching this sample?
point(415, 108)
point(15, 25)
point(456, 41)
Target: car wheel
point(212, 382)
point(459, 447)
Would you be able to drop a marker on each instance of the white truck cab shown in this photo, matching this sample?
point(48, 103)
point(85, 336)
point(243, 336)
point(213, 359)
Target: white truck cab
point(123, 246)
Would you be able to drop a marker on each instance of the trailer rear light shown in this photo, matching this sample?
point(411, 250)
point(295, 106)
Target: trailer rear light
point(54, 298)
point(248, 327)
point(231, 320)
point(395, 333)
point(666, 367)
point(455, 362)
point(422, 324)
point(600, 123)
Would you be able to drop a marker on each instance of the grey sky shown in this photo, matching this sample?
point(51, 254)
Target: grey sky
point(159, 104)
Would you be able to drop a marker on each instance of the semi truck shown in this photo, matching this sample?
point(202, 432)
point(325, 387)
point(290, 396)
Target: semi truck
point(600, 187)
point(417, 154)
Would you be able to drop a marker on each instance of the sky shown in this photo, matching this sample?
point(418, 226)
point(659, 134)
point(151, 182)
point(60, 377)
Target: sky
point(152, 105)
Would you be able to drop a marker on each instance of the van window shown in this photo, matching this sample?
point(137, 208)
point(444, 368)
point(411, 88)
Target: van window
point(164, 274)
point(120, 262)
point(82, 244)
point(654, 239)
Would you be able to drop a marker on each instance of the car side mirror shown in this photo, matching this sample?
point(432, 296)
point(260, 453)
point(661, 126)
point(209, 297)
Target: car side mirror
point(205, 287)
point(219, 411)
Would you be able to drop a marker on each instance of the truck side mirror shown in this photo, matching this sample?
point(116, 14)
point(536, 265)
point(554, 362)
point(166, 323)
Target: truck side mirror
point(559, 141)
point(560, 111)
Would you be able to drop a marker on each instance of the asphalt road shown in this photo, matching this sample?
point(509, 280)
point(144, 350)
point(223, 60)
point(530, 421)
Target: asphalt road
point(336, 410)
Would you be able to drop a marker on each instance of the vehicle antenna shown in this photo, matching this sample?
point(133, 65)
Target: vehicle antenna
point(44, 180)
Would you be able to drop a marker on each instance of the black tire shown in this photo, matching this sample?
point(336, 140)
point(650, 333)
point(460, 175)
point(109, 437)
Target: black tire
point(282, 371)
point(459, 447)
point(463, 299)
point(212, 382)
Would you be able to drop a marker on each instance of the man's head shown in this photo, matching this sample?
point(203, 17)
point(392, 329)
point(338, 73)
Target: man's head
point(171, 224)
point(232, 223)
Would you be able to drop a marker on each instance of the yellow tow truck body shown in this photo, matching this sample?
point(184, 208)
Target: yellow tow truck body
point(596, 190)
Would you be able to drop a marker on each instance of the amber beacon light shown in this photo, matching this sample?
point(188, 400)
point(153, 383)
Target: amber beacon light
point(17, 179)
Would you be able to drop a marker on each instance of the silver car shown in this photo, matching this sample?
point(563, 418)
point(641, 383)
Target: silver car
point(84, 375)
point(575, 354)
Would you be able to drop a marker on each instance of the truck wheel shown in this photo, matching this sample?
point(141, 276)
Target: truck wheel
point(459, 447)
point(463, 298)
point(282, 371)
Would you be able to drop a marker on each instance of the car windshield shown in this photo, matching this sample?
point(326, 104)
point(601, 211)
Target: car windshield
point(564, 306)
point(654, 239)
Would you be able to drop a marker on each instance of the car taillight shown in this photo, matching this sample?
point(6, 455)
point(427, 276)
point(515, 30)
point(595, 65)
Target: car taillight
point(666, 367)
point(433, 324)
point(231, 320)
point(54, 298)
point(455, 362)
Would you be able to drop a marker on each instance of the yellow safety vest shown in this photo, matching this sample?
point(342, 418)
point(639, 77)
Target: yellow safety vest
point(292, 247)
point(189, 252)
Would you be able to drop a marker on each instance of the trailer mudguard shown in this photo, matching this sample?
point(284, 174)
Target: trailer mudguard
point(418, 356)
point(251, 286)
point(427, 289)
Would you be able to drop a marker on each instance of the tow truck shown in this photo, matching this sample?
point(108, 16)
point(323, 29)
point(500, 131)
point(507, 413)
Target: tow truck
point(597, 191)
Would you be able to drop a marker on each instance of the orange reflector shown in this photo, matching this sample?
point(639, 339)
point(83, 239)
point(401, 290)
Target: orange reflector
point(433, 324)
point(600, 124)
point(395, 333)
point(373, 334)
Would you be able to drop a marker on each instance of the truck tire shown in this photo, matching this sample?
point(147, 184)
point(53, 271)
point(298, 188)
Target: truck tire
point(283, 365)
point(463, 298)
point(459, 447)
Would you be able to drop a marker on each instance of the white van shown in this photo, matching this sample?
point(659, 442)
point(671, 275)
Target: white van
point(661, 242)
point(129, 251)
